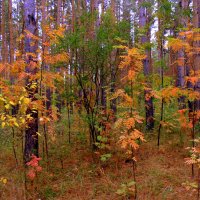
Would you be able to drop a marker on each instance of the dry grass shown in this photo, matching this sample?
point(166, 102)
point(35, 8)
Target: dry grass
point(160, 174)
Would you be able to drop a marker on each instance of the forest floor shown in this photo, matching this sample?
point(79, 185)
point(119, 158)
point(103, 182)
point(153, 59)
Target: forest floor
point(160, 175)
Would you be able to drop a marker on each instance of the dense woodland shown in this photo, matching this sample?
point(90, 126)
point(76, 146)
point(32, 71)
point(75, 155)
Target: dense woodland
point(100, 99)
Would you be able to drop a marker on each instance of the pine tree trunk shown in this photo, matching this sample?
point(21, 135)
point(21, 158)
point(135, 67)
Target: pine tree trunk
point(195, 105)
point(113, 102)
point(31, 136)
point(4, 37)
point(58, 12)
point(11, 33)
point(181, 68)
point(147, 68)
point(102, 6)
point(196, 23)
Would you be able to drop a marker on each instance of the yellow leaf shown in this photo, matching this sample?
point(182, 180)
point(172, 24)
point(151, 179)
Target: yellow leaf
point(16, 124)
point(3, 117)
point(4, 181)
point(26, 101)
point(23, 120)
point(11, 103)
point(7, 106)
point(3, 124)
point(38, 134)
point(21, 98)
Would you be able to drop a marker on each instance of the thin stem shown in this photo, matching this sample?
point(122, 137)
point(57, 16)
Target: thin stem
point(13, 146)
point(69, 124)
point(134, 178)
point(193, 134)
point(46, 145)
point(160, 125)
point(198, 193)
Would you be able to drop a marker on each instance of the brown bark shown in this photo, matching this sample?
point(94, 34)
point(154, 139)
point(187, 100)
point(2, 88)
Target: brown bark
point(196, 24)
point(113, 7)
point(44, 18)
point(181, 68)
point(113, 63)
point(193, 106)
point(102, 6)
point(143, 20)
point(196, 14)
point(11, 39)
point(31, 132)
point(59, 3)
point(3, 33)
point(93, 7)
point(73, 16)
point(160, 57)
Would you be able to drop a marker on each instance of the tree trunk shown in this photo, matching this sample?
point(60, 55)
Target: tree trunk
point(113, 102)
point(93, 8)
point(147, 69)
point(4, 38)
point(58, 13)
point(196, 24)
point(31, 136)
point(195, 105)
point(73, 16)
point(102, 6)
point(11, 39)
point(160, 58)
point(113, 7)
point(181, 68)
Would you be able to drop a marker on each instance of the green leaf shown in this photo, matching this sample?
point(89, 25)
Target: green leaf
point(99, 137)
point(131, 183)
point(105, 157)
